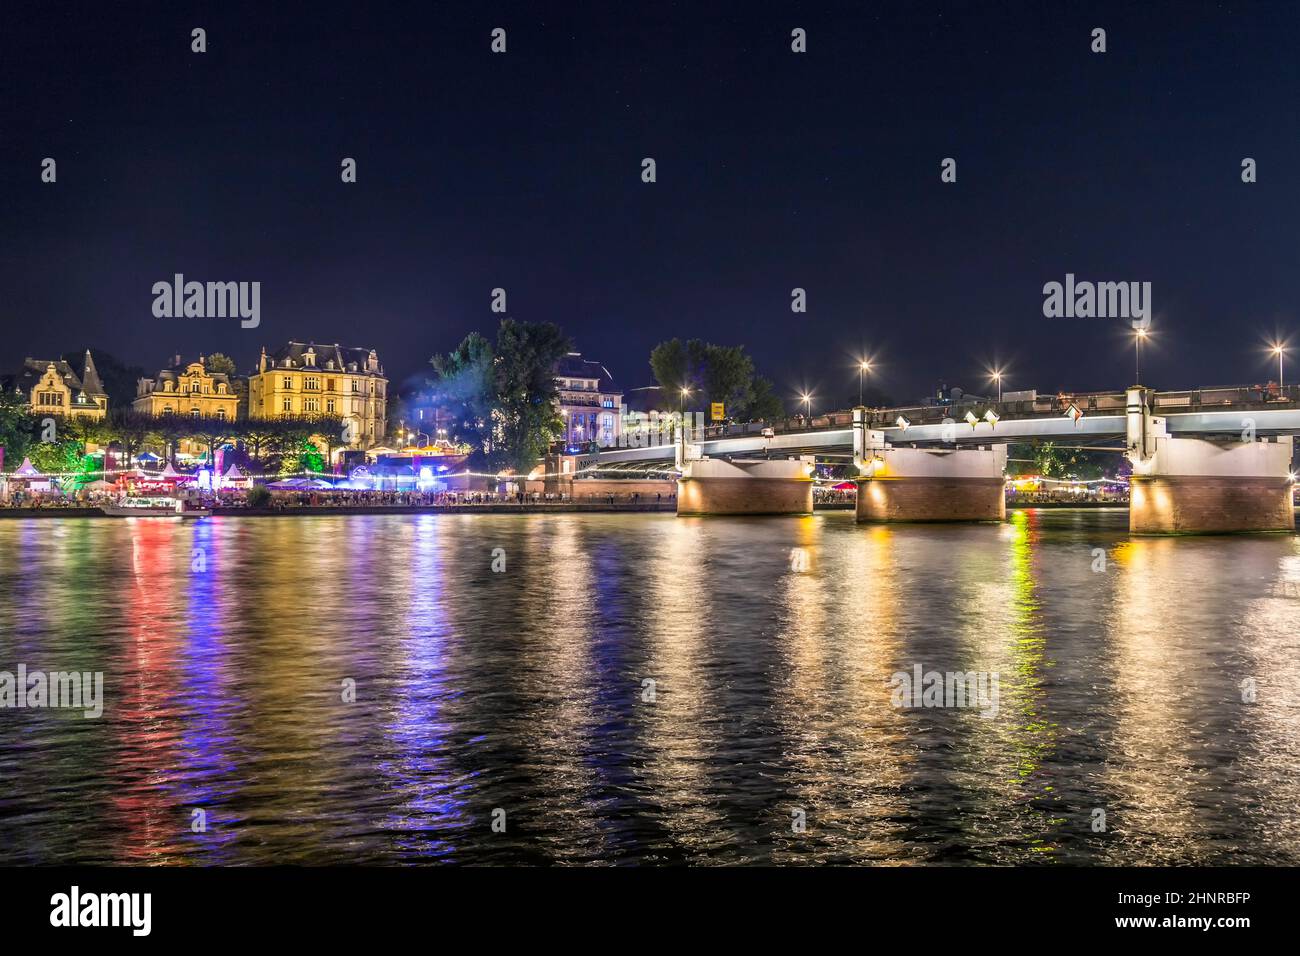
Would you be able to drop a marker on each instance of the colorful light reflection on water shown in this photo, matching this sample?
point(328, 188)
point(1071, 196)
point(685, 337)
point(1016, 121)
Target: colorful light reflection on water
point(225, 645)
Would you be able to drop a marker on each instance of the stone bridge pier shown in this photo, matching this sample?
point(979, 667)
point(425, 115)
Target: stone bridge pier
point(920, 484)
point(1205, 486)
point(712, 486)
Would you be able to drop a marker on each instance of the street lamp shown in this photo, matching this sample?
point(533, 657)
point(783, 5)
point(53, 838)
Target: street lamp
point(807, 400)
point(1138, 338)
point(996, 375)
point(1279, 349)
point(863, 367)
point(681, 418)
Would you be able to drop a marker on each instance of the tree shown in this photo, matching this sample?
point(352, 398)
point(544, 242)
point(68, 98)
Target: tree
point(17, 426)
point(211, 431)
point(132, 430)
point(527, 413)
point(714, 373)
point(464, 385)
point(219, 362)
point(171, 429)
point(259, 436)
point(503, 397)
point(766, 405)
point(327, 433)
point(61, 456)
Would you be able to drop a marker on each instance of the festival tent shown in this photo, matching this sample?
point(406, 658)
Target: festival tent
point(234, 476)
point(29, 478)
point(845, 486)
point(300, 484)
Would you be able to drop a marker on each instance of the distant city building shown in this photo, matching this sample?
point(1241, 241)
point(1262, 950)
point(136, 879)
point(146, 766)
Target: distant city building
point(590, 403)
point(53, 388)
point(423, 419)
point(188, 390)
point(303, 380)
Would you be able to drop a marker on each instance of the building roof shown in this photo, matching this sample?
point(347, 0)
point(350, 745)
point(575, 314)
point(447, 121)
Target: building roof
point(177, 371)
point(574, 365)
point(90, 383)
point(33, 370)
point(345, 359)
point(647, 398)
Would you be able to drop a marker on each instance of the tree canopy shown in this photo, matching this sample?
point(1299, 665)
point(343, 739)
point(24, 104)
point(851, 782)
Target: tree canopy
point(502, 396)
point(715, 373)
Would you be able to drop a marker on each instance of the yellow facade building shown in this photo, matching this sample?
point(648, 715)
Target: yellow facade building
point(53, 388)
point(188, 390)
point(303, 380)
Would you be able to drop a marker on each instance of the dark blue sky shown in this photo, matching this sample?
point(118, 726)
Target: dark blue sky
point(775, 170)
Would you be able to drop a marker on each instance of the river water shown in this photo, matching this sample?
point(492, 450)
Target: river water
point(650, 689)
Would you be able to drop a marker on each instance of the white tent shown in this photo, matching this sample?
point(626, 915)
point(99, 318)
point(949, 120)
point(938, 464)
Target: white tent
point(27, 470)
point(234, 476)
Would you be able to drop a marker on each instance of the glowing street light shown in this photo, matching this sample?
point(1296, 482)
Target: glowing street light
point(806, 398)
point(1139, 336)
point(681, 418)
point(996, 376)
point(863, 367)
point(1279, 349)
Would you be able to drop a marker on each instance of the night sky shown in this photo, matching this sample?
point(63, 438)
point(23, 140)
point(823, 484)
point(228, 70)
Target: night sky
point(775, 170)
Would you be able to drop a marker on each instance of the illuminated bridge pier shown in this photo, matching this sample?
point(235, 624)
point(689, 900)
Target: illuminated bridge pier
point(711, 486)
point(927, 484)
point(1228, 483)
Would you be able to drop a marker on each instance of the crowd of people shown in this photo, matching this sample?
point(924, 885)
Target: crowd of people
point(443, 499)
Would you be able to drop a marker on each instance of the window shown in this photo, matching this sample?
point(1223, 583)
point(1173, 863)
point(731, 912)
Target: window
point(311, 384)
point(221, 414)
point(329, 405)
point(311, 404)
point(356, 386)
point(168, 410)
point(287, 405)
point(286, 382)
point(194, 413)
point(329, 384)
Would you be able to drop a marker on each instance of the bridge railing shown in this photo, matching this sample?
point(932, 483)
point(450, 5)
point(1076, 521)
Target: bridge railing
point(1244, 397)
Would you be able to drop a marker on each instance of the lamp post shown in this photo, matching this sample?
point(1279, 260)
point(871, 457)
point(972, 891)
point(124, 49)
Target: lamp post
point(807, 400)
point(1279, 350)
point(996, 375)
point(863, 367)
point(1138, 338)
point(681, 418)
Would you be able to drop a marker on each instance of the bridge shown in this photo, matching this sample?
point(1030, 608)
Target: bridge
point(1204, 460)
